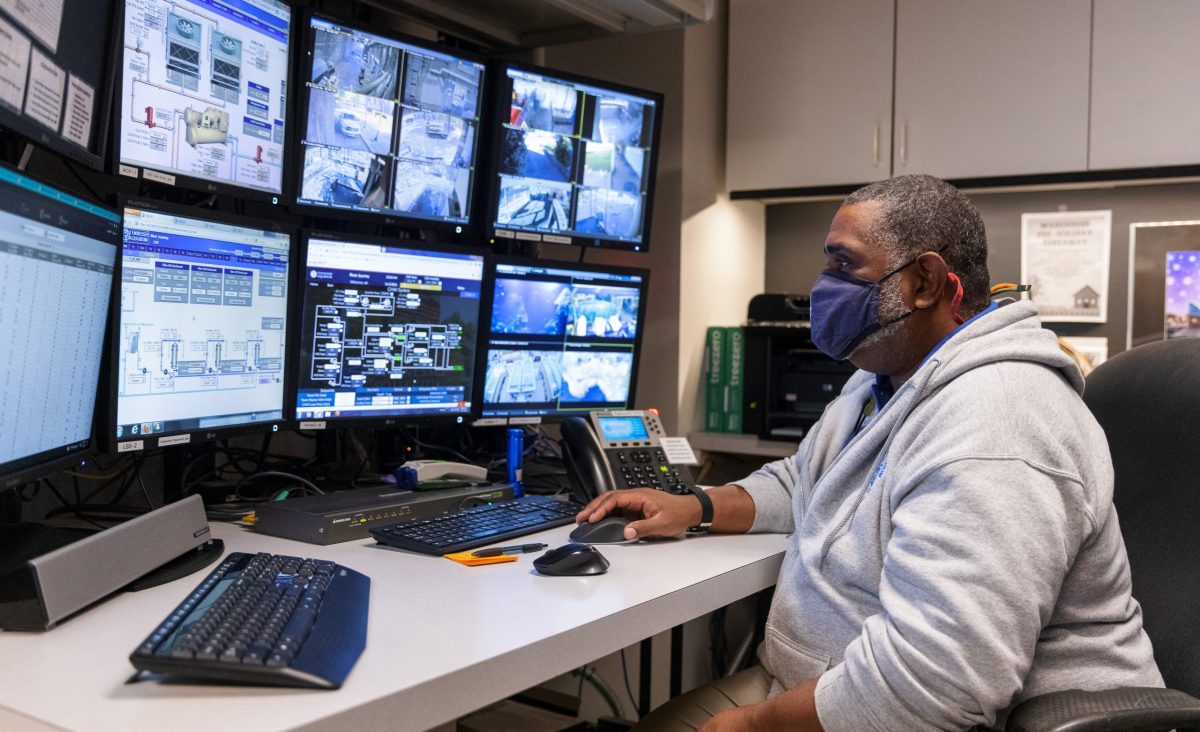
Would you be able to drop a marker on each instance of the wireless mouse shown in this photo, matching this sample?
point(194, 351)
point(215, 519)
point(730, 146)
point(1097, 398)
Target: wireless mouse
point(608, 530)
point(571, 560)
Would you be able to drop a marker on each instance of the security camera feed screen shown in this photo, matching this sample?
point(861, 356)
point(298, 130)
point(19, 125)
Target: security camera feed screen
point(53, 64)
point(202, 332)
point(387, 331)
point(573, 161)
point(561, 340)
point(204, 86)
point(390, 128)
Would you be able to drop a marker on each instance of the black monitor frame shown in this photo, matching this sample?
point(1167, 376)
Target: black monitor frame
point(31, 467)
point(486, 336)
point(296, 316)
point(93, 156)
point(456, 232)
point(500, 113)
point(191, 436)
point(172, 178)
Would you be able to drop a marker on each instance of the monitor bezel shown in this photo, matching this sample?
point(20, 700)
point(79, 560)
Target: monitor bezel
point(110, 441)
point(297, 318)
point(500, 113)
point(35, 134)
point(485, 336)
point(17, 472)
point(137, 171)
point(460, 232)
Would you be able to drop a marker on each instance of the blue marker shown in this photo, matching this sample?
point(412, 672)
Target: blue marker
point(516, 446)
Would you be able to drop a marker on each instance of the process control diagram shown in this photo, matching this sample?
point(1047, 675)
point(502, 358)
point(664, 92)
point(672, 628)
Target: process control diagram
point(359, 339)
point(203, 89)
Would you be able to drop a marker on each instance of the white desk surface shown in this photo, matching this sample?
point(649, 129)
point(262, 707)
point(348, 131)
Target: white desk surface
point(442, 639)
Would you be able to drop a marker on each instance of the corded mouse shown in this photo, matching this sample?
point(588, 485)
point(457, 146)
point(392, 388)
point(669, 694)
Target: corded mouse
point(608, 530)
point(571, 560)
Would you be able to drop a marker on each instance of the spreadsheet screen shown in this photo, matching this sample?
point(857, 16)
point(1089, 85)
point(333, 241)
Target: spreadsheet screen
point(56, 256)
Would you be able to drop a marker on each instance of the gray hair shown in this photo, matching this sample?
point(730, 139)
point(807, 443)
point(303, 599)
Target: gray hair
point(920, 213)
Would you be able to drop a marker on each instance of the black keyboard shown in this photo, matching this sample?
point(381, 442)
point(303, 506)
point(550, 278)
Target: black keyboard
point(472, 527)
point(265, 619)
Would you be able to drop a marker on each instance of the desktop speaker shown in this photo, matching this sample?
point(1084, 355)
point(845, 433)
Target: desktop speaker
point(45, 589)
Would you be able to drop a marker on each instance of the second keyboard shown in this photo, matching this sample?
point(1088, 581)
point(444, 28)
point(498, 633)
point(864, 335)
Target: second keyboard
point(474, 527)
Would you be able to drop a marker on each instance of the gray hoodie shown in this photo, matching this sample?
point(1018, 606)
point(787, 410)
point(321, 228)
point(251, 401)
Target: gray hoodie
point(961, 552)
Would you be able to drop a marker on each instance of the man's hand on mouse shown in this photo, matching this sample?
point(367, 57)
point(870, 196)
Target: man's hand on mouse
point(657, 513)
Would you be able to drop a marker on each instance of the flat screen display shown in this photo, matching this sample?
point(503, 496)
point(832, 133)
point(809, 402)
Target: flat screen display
point(391, 127)
point(574, 160)
point(201, 332)
point(616, 429)
point(562, 339)
point(54, 66)
point(56, 271)
point(388, 331)
point(204, 87)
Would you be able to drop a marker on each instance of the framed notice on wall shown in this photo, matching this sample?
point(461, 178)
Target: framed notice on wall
point(1064, 259)
point(1164, 281)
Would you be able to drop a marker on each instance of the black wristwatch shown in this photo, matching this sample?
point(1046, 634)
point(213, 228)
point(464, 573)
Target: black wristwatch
point(706, 510)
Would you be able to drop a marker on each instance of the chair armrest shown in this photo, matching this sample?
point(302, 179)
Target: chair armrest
point(1133, 709)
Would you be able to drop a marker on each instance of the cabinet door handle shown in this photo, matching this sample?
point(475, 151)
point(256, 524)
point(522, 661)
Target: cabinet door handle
point(904, 143)
point(875, 145)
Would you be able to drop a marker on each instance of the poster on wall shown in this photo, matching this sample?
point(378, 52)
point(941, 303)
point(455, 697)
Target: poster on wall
point(1164, 281)
point(1064, 257)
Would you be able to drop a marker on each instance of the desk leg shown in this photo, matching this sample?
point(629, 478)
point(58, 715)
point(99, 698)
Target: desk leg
point(644, 674)
point(676, 660)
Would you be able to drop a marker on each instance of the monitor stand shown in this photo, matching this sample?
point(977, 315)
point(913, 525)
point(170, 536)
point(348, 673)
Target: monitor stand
point(191, 561)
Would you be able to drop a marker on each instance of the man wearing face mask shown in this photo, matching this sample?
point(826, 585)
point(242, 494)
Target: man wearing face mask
point(954, 548)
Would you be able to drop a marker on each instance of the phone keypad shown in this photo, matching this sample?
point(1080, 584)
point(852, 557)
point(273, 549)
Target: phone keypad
point(650, 469)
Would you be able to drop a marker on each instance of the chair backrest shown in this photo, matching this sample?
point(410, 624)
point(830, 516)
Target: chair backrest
point(1148, 402)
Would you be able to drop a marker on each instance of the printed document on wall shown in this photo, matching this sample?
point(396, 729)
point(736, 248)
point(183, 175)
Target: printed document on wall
point(1065, 260)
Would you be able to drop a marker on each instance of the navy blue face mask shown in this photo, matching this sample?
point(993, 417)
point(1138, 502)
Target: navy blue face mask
point(845, 310)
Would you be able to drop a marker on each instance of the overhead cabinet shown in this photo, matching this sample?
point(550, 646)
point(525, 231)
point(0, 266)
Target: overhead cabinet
point(991, 88)
point(1145, 84)
point(981, 89)
point(809, 93)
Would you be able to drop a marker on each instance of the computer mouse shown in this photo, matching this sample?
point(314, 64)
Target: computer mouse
point(571, 560)
point(608, 530)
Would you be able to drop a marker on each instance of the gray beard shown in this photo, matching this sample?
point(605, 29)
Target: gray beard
point(891, 307)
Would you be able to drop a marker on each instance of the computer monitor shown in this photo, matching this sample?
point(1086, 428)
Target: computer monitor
point(204, 89)
point(56, 273)
point(199, 346)
point(389, 127)
point(573, 159)
point(54, 75)
point(562, 338)
point(388, 330)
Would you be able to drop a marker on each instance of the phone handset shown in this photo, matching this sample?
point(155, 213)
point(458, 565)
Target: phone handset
point(588, 469)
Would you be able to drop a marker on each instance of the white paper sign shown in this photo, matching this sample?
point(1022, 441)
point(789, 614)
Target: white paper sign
point(14, 65)
point(45, 98)
point(77, 118)
point(42, 18)
point(678, 450)
point(1095, 350)
point(1064, 257)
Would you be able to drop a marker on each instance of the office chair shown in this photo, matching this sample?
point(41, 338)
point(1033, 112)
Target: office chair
point(1148, 402)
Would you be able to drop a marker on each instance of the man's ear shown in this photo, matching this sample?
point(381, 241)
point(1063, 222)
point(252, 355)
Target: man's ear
point(931, 281)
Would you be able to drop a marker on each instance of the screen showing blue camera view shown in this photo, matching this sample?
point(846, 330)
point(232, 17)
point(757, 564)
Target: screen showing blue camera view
point(573, 160)
point(390, 127)
point(561, 340)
